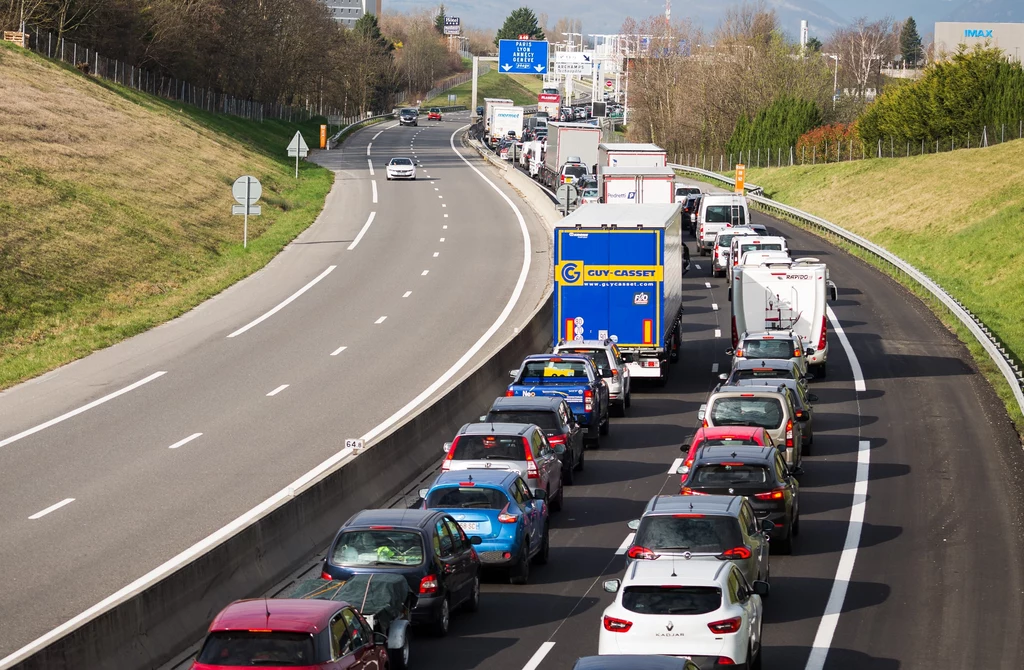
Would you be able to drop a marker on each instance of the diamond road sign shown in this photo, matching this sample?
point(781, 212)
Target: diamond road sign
point(523, 56)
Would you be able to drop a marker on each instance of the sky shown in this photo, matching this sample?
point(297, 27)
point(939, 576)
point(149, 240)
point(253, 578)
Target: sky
point(605, 16)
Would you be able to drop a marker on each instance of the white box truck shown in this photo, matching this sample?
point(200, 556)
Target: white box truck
point(494, 102)
point(569, 140)
point(627, 154)
point(717, 211)
point(633, 185)
point(785, 296)
point(503, 121)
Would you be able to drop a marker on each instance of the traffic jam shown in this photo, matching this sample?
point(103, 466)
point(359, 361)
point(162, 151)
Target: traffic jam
point(697, 562)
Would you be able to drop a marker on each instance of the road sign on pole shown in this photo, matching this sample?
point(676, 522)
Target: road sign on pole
point(741, 175)
point(298, 148)
point(523, 56)
point(246, 191)
point(323, 136)
point(452, 25)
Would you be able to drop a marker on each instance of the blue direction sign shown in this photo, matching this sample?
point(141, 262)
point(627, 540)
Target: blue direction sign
point(523, 56)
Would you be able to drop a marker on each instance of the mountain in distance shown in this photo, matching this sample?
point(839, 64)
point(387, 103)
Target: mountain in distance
point(993, 11)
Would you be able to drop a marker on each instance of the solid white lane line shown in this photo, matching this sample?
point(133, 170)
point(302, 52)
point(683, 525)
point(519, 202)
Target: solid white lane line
point(707, 284)
point(368, 148)
point(338, 351)
point(714, 367)
point(378, 134)
point(83, 408)
point(362, 231)
point(714, 306)
point(407, 294)
point(718, 333)
point(424, 273)
point(52, 508)
point(379, 321)
point(674, 468)
point(374, 185)
point(182, 443)
point(370, 163)
point(837, 328)
point(277, 390)
point(284, 303)
point(436, 254)
point(536, 659)
point(625, 544)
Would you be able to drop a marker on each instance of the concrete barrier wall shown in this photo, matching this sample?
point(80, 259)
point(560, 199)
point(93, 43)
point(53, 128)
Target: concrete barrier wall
point(149, 628)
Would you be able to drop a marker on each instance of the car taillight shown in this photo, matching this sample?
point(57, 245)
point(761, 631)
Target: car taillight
point(774, 494)
point(588, 401)
point(797, 353)
point(531, 465)
point(617, 625)
point(505, 517)
point(687, 491)
point(326, 576)
point(789, 434)
point(725, 660)
point(824, 334)
point(556, 439)
point(739, 353)
point(735, 335)
point(428, 585)
point(737, 553)
point(509, 393)
point(651, 363)
point(726, 626)
point(640, 553)
point(446, 464)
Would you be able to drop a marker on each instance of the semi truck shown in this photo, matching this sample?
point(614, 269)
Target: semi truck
point(578, 141)
point(618, 274)
point(550, 103)
point(504, 120)
point(637, 185)
point(627, 154)
point(494, 102)
point(785, 295)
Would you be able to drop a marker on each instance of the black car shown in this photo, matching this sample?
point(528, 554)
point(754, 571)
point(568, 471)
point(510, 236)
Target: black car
point(553, 416)
point(690, 209)
point(409, 117)
point(427, 547)
point(634, 662)
point(761, 475)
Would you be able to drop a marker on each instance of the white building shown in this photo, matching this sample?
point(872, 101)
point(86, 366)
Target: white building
point(347, 12)
point(1007, 36)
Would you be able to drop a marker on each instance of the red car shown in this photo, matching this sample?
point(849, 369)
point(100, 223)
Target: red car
point(723, 437)
point(433, 114)
point(295, 634)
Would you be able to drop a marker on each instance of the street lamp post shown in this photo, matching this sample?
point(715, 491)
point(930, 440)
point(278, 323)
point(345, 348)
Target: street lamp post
point(835, 80)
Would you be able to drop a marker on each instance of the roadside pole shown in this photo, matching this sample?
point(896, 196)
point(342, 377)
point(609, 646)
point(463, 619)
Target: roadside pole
point(246, 191)
point(476, 75)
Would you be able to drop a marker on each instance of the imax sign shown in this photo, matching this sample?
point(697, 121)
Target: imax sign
point(977, 33)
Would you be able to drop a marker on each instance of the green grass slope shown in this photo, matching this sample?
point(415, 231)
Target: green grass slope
point(115, 209)
point(521, 89)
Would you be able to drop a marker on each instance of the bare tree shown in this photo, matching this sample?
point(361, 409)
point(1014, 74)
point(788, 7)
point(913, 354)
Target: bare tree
point(862, 48)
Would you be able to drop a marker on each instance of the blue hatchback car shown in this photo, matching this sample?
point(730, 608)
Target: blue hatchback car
point(498, 508)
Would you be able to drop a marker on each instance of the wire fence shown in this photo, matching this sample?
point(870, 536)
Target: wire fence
point(92, 63)
point(843, 151)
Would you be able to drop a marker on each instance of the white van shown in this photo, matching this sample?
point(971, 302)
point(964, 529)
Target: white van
point(765, 243)
point(785, 296)
point(718, 211)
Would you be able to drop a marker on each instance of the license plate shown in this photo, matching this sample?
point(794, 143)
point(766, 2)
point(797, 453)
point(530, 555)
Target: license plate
point(469, 525)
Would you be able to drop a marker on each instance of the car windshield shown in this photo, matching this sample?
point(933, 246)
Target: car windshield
point(768, 348)
point(726, 240)
point(723, 214)
point(401, 161)
point(435, 110)
point(547, 420)
point(245, 648)
point(555, 371)
point(697, 533)
point(409, 111)
point(575, 170)
point(686, 190)
point(489, 447)
point(671, 599)
point(466, 498)
point(763, 412)
point(724, 474)
point(775, 246)
point(382, 546)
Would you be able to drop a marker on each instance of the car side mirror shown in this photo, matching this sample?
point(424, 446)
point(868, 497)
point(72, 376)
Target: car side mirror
point(513, 373)
point(380, 639)
point(767, 525)
point(559, 449)
point(796, 471)
point(612, 585)
point(809, 351)
point(447, 447)
point(540, 494)
point(724, 376)
point(634, 524)
point(423, 493)
point(812, 397)
point(807, 377)
point(702, 412)
point(802, 416)
point(606, 373)
point(761, 588)
point(476, 539)
point(833, 291)
point(483, 418)
point(729, 351)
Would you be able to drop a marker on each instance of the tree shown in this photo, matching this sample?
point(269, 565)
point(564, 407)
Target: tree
point(813, 45)
point(862, 48)
point(521, 21)
point(775, 127)
point(910, 43)
point(439, 20)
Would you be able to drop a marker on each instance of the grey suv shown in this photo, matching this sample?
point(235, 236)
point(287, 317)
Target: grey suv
point(773, 409)
point(776, 344)
point(606, 356)
point(409, 117)
point(765, 368)
point(703, 527)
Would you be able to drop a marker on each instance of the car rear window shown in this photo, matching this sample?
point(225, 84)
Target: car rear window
point(599, 356)
point(764, 373)
point(671, 599)
point(575, 170)
point(774, 246)
point(730, 475)
point(723, 214)
point(380, 546)
point(243, 648)
point(695, 533)
point(757, 411)
point(768, 348)
point(466, 498)
point(545, 419)
point(729, 442)
point(555, 370)
point(484, 447)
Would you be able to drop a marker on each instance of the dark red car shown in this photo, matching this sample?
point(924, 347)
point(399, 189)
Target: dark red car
point(726, 436)
point(434, 114)
point(295, 634)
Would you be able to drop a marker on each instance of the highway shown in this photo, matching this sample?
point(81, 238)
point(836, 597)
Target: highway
point(113, 465)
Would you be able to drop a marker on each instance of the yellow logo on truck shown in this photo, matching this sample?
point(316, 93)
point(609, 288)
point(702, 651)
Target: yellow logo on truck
point(575, 273)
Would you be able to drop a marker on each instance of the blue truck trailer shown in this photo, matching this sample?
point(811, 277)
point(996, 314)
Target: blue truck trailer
point(619, 275)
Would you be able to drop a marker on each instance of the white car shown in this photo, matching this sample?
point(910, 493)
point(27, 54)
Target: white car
point(704, 610)
point(401, 168)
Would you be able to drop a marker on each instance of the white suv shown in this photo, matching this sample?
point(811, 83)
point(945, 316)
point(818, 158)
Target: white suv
point(605, 355)
point(704, 610)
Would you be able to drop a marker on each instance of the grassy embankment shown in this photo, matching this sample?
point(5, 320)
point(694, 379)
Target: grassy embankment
point(958, 217)
point(522, 89)
point(115, 209)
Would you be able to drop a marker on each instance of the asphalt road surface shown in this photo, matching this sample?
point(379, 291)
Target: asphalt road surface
point(393, 284)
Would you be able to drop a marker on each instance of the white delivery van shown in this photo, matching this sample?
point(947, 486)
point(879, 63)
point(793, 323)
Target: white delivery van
point(717, 211)
point(785, 296)
point(766, 243)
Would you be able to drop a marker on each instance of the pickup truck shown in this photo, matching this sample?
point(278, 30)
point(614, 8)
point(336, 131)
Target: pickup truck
point(574, 378)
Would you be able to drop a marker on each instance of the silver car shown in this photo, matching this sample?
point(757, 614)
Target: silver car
point(606, 356)
point(772, 344)
point(773, 409)
point(803, 399)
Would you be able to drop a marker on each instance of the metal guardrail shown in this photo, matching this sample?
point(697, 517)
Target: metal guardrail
point(996, 350)
point(333, 139)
